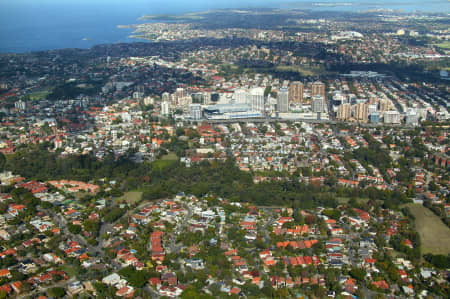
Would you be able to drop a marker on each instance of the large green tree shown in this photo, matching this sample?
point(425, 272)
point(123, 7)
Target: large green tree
point(2, 162)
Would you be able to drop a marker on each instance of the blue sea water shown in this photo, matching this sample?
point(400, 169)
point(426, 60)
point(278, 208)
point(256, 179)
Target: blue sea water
point(33, 25)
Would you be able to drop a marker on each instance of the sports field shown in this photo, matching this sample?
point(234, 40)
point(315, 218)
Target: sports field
point(131, 197)
point(434, 234)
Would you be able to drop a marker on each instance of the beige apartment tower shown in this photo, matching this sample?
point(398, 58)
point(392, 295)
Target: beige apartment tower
point(344, 112)
point(318, 89)
point(361, 112)
point(296, 92)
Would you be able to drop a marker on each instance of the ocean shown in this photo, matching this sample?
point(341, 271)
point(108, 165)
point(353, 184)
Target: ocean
point(34, 25)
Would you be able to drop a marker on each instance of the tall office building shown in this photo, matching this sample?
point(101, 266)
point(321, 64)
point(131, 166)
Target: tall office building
point(411, 118)
point(339, 98)
point(180, 93)
point(296, 92)
point(207, 98)
point(372, 108)
point(165, 96)
point(148, 101)
point(20, 105)
point(195, 111)
point(374, 117)
point(257, 99)
point(317, 105)
point(184, 103)
point(283, 100)
point(241, 96)
point(344, 112)
point(391, 117)
point(137, 95)
point(318, 89)
point(165, 108)
point(197, 98)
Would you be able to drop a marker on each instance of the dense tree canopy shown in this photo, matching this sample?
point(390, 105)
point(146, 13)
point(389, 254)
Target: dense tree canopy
point(163, 178)
point(440, 261)
point(2, 161)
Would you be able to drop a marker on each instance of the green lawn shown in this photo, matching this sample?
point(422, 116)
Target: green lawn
point(165, 161)
point(304, 70)
point(39, 95)
point(301, 70)
point(343, 200)
point(170, 157)
point(444, 45)
point(434, 234)
point(131, 197)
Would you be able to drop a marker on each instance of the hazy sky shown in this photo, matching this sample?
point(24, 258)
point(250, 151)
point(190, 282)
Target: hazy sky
point(30, 25)
point(132, 2)
point(188, 2)
point(11, 7)
point(197, 3)
point(204, 3)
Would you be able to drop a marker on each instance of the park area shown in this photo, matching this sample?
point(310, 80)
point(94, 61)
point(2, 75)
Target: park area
point(434, 234)
point(130, 197)
point(444, 45)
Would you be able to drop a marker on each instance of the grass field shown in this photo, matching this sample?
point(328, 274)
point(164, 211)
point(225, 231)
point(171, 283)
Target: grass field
point(343, 200)
point(131, 197)
point(39, 95)
point(165, 161)
point(170, 157)
point(434, 234)
point(303, 70)
point(444, 45)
